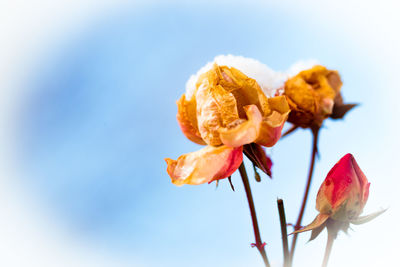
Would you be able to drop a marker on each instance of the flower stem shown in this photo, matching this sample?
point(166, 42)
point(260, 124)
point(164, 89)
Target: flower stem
point(282, 219)
point(328, 250)
point(259, 244)
point(291, 130)
point(315, 133)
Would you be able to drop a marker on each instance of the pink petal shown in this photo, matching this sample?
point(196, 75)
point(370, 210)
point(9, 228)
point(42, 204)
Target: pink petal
point(271, 129)
point(205, 165)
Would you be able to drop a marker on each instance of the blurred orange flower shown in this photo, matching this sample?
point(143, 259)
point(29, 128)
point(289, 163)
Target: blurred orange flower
point(341, 198)
point(311, 95)
point(226, 111)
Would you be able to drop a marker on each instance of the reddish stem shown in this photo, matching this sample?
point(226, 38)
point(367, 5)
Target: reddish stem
point(259, 244)
point(315, 133)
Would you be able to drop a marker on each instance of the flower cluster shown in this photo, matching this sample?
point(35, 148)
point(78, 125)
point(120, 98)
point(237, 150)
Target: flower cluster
point(235, 106)
point(234, 103)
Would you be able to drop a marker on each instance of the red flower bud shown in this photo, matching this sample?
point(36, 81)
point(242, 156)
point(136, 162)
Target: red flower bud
point(344, 192)
point(341, 199)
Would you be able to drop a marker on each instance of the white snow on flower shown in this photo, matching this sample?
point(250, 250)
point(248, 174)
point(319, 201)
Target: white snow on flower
point(268, 79)
point(300, 66)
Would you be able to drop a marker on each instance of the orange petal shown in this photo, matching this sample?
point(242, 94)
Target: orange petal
point(187, 120)
point(271, 126)
point(311, 94)
point(279, 104)
point(334, 80)
point(246, 131)
point(245, 90)
point(216, 107)
point(205, 165)
point(301, 94)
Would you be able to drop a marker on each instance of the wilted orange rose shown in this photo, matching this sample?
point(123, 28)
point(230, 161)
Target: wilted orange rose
point(313, 96)
point(225, 110)
point(341, 198)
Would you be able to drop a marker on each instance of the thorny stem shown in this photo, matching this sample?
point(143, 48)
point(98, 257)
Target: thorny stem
point(259, 244)
point(315, 133)
point(282, 219)
point(328, 250)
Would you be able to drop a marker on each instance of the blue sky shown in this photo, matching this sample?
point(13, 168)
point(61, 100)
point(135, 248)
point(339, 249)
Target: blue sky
point(99, 117)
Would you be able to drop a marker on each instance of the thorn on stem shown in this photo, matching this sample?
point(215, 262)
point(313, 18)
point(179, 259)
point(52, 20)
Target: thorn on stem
point(256, 174)
point(294, 226)
point(259, 246)
point(230, 182)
